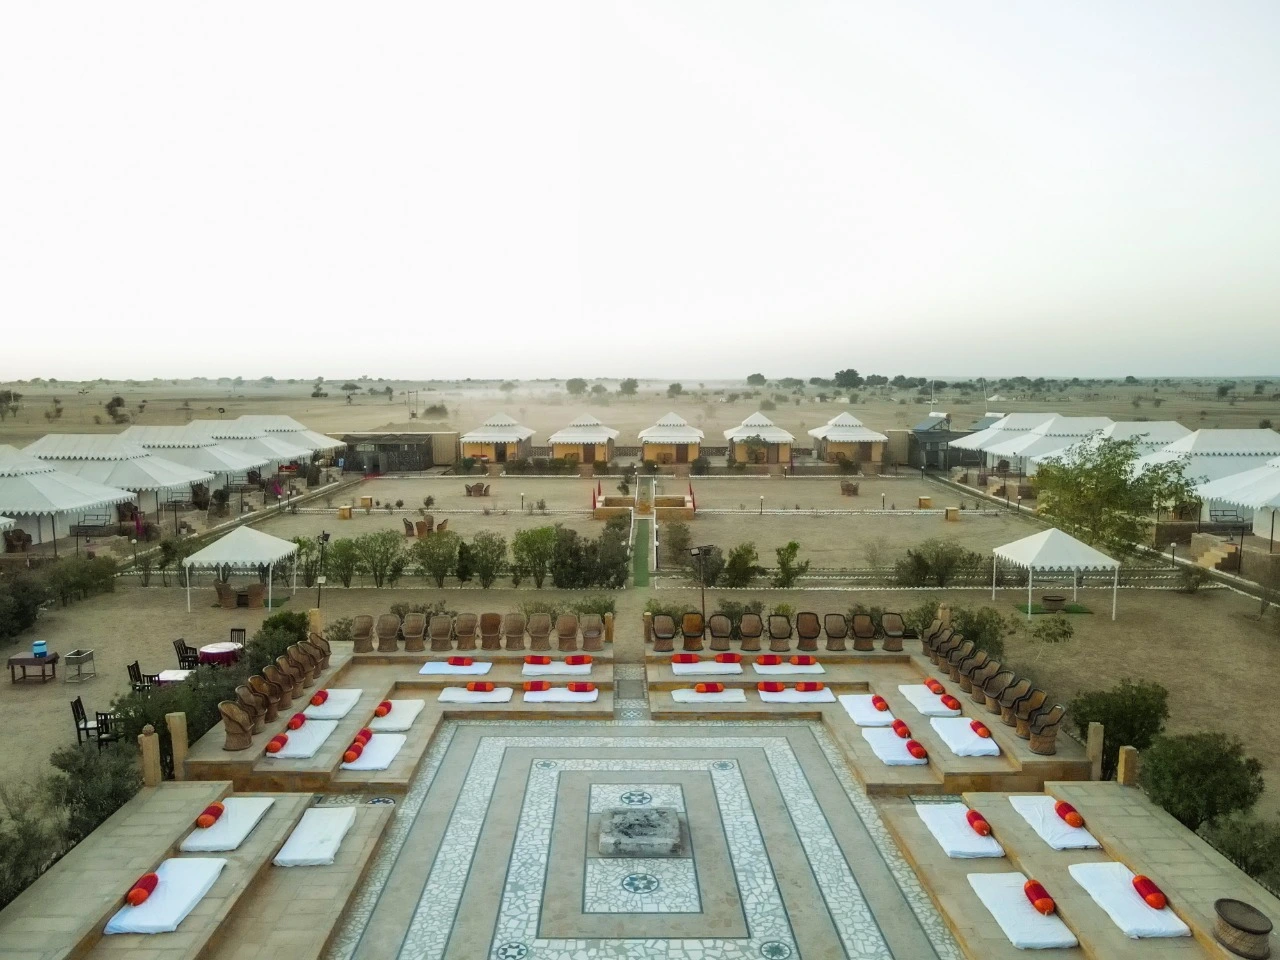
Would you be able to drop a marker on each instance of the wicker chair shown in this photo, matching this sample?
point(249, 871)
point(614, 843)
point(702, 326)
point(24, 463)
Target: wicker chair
point(440, 629)
point(974, 661)
point(808, 629)
point(387, 630)
point(664, 633)
point(257, 595)
point(978, 679)
point(779, 633)
point(1028, 709)
point(464, 628)
point(837, 627)
point(490, 631)
point(894, 629)
point(540, 631)
point(994, 689)
point(413, 628)
point(270, 692)
point(513, 631)
point(958, 653)
point(273, 674)
point(1043, 730)
point(567, 632)
point(931, 645)
point(929, 634)
point(721, 629)
point(864, 632)
point(321, 644)
point(750, 630)
point(1012, 694)
point(592, 627)
point(944, 647)
point(226, 596)
point(362, 634)
point(693, 631)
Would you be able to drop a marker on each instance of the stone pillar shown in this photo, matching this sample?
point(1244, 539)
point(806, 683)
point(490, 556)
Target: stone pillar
point(177, 723)
point(1093, 748)
point(648, 627)
point(1127, 769)
point(608, 628)
point(149, 747)
point(944, 614)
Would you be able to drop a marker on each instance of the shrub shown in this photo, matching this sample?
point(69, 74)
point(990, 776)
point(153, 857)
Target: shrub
point(676, 540)
point(789, 570)
point(342, 560)
point(783, 610)
point(489, 552)
point(1132, 714)
point(741, 567)
point(21, 596)
point(596, 603)
point(674, 609)
point(533, 551)
point(708, 566)
point(935, 563)
point(700, 466)
point(382, 554)
point(464, 567)
point(93, 784)
point(921, 616)
point(339, 631)
point(1199, 777)
point(293, 622)
point(1054, 629)
point(1192, 578)
point(436, 556)
point(735, 611)
point(1251, 843)
point(31, 837)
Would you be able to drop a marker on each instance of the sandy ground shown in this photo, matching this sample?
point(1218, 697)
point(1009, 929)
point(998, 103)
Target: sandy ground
point(560, 493)
point(822, 493)
point(289, 526)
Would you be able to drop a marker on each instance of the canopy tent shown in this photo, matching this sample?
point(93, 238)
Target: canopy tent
point(1007, 427)
point(1257, 489)
point(846, 428)
point(180, 445)
point(499, 428)
point(248, 439)
point(758, 425)
point(287, 428)
point(1052, 435)
point(584, 429)
point(1053, 551)
point(243, 548)
point(1215, 454)
point(7, 524)
point(671, 428)
point(36, 489)
point(114, 462)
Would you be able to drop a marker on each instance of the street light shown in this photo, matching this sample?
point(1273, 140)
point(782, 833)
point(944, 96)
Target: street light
point(762, 504)
point(322, 538)
point(134, 541)
point(699, 554)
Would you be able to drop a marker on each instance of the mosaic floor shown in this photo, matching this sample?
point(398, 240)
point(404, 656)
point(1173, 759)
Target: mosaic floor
point(494, 851)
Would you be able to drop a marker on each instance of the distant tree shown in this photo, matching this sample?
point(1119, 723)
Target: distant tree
point(349, 387)
point(1199, 777)
point(675, 389)
point(819, 382)
point(342, 560)
point(1224, 389)
point(628, 387)
point(576, 386)
point(676, 540)
point(465, 567)
point(382, 554)
point(507, 386)
point(742, 566)
point(756, 380)
point(848, 379)
point(708, 567)
point(390, 393)
point(436, 556)
point(790, 383)
point(1131, 714)
point(598, 389)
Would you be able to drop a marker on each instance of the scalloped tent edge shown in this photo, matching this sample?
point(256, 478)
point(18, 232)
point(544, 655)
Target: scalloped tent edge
point(243, 548)
point(1054, 551)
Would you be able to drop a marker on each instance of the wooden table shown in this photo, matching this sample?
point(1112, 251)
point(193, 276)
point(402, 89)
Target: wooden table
point(48, 667)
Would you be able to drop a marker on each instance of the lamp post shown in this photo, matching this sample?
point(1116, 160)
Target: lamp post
point(699, 554)
point(1019, 503)
point(134, 541)
point(762, 504)
point(522, 503)
point(1173, 554)
point(322, 539)
point(882, 501)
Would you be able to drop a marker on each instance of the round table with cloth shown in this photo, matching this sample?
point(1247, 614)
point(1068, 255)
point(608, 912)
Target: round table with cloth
point(223, 654)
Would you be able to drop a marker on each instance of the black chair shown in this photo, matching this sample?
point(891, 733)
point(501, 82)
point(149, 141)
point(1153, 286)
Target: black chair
point(142, 682)
point(188, 657)
point(86, 729)
point(107, 732)
point(238, 634)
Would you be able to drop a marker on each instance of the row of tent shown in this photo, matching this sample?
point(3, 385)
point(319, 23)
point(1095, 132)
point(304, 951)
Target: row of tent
point(671, 428)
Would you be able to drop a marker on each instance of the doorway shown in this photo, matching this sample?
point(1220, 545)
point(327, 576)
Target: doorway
point(500, 452)
point(588, 453)
point(682, 453)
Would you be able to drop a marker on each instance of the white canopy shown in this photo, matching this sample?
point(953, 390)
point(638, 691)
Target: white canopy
point(200, 453)
point(499, 428)
point(31, 487)
point(243, 547)
point(1056, 434)
point(1214, 454)
point(585, 429)
point(115, 463)
point(1055, 552)
point(287, 428)
point(248, 439)
point(758, 425)
point(846, 428)
point(671, 428)
point(1006, 428)
point(7, 524)
point(1256, 489)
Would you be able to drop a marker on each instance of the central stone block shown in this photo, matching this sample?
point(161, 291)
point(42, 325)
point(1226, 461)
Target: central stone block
point(640, 832)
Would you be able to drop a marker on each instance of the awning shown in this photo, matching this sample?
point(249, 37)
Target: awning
point(1053, 551)
point(242, 548)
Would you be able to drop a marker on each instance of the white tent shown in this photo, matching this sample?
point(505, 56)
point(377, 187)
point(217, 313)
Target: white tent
point(1054, 552)
point(846, 428)
point(1257, 489)
point(584, 429)
point(758, 425)
point(243, 548)
point(201, 453)
point(1051, 436)
point(499, 428)
point(671, 428)
point(287, 428)
point(248, 439)
point(1214, 454)
point(33, 489)
point(7, 524)
point(1006, 428)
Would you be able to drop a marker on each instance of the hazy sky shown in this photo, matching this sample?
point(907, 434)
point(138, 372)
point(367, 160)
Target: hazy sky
point(685, 189)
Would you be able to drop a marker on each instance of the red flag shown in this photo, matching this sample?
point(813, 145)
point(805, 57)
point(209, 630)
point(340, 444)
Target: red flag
point(599, 489)
point(593, 499)
point(692, 499)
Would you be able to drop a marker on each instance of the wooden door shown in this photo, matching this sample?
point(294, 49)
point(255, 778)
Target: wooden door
point(682, 453)
point(500, 452)
point(588, 453)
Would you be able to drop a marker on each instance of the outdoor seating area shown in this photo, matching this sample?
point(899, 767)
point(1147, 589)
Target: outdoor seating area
point(807, 629)
point(492, 632)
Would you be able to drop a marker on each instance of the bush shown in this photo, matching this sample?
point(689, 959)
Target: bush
point(789, 570)
point(700, 466)
point(382, 555)
point(920, 617)
point(1251, 843)
point(1192, 578)
point(741, 567)
point(31, 837)
point(489, 552)
point(436, 556)
point(676, 539)
point(75, 578)
point(92, 785)
point(936, 563)
point(533, 551)
point(21, 596)
point(1054, 629)
point(735, 611)
point(1132, 714)
point(1199, 777)
point(339, 631)
point(294, 622)
point(597, 603)
point(783, 610)
point(464, 568)
point(674, 610)
point(707, 568)
point(342, 561)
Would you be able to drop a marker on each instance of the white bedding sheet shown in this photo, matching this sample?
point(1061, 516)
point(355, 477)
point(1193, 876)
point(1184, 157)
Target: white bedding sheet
point(239, 816)
point(378, 752)
point(463, 695)
point(1111, 886)
point(1053, 830)
point(317, 837)
point(401, 717)
point(858, 707)
point(1026, 928)
point(724, 696)
point(925, 700)
point(947, 823)
point(339, 704)
point(778, 669)
point(961, 740)
point(184, 881)
point(797, 696)
point(442, 668)
point(705, 667)
point(306, 740)
point(556, 668)
point(561, 695)
point(891, 748)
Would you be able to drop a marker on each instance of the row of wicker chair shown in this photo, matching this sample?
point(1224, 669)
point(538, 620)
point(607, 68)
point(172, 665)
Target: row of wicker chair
point(263, 697)
point(494, 631)
point(1018, 702)
point(808, 628)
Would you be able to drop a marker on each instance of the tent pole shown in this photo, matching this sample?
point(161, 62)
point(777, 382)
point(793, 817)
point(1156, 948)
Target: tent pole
point(1031, 573)
point(1272, 547)
point(269, 579)
point(1075, 583)
point(1115, 586)
point(188, 589)
point(994, 561)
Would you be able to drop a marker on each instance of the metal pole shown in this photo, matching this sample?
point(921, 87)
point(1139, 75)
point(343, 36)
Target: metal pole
point(1030, 576)
point(1272, 547)
point(702, 583)
point(994, 560)
point(1115, 586)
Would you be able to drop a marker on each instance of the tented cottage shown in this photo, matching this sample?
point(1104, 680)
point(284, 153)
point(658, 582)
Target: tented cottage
point(670, 440)
point(498, 440)
point(586, 440)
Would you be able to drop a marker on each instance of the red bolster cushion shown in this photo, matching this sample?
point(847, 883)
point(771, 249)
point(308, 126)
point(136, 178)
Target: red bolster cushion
point(536, 685)
point(1149, 892)
point(209, 816)
point(319, 697)
point(1068, 813)
point(809, 686)
point(980, 728)
point(1039, 897)
point(728, 658)
point(769, 660)
point(142, 888)
point(353, 752)
point(297, 720)
point(708, 688)
point(950, 702)
point(935, 686)
point(577, 659)
point(803, 660)
point(276, 743)
point(537, 659)
point(382, 709)
point(917, 750)
point(771, 686)
point(461, 661)
point(901, 729)
point(685, 658)
point(480, 686)
point(979, 823)
point(581, 686)
point(880, 703)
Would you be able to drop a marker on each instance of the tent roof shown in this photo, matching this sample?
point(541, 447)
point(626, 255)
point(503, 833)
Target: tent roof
point(291, 430)
point(1254, 489)
point(1006, 428)
point(83, 446)
point(200, 453)
point(499, 428)
point(249, 439)
point(1054, 550)
point(1227, 443)
point(1147, 432)
point(6, 523)
point(242, 547)
point(758, 425)
point(32, 487)
point(584, 429)
point(1051, 435)
point(137, 473)
point(671, 428)
point(224, 429)
point(171, 437)
point(846, 428)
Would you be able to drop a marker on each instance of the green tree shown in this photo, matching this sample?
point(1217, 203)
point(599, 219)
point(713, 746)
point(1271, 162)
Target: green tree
point(576, 386)
point(789, 571)
point(985, 626)
point(676, 539)
point(533, 551)
point(92, 785)
point(675, 389)
point(707, 567)
point(435, 556)
point(342, 560)
point(489, 552)
point(1132, 714)
point(599, 389)
point(1094, 493)
point(742, 566)
point(1199, 777)
point(847, 379)
point(349, 387)
point(628, 387)
point(756, 380)
point(1251, 843)
point(465, 568)
point(507, 386)
point(382, 554)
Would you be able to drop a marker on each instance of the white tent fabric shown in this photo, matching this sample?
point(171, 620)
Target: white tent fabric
point(584, 429)
point(1053, 551)
point(1257, 489)
point(846, 428)
point(116, 463)
point(287, 428)
point(243, 547)
point(1214, 454)
point(1006, 428)
point(1051, 435)
point(758, 425)
point(671, 428)
point(31, 487)
point(180, 445)
point(7, 524)
point(499, 428)
point(249, 439)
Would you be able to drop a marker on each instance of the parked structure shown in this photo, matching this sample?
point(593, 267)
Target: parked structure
point(670, 440)
point(586, 440)
point(759, 440)
point(498, 440)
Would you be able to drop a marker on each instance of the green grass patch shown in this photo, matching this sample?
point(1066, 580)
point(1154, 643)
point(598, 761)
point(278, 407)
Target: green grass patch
point(1039, 608)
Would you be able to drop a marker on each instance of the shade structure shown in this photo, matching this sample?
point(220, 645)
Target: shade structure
point(242, 548)
point(671, 428)
point(846, 428)
point(1257, 489)
point(584, 429)
point(249, 439)
point(1053, 551)
point(36, 489)
point(1007, 427)
point(499, 428)
point(115, 462)
point(7, 524)
point(758, 425)
point(179, 445)
point(289, 429)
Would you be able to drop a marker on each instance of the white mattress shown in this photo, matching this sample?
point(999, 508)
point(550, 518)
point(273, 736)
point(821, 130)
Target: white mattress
point(891, 748)
point(1053, 830)
point(183, 883)
point(401, 717)
point(556, 668)
point(926, 701)
point(1026, 928)
point(442, 668)
point(961, 740)
point(858, 707)
point(339, 704)
point(306, 740)
point(239, 816)
point(947, 823)
point(796, 696)
point(561, 695)
point(724, 696)
point(1111, 886)
point(705, 667)
point(378, 752)
point(785, 668)
point(315, 840)
point(463, 695)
